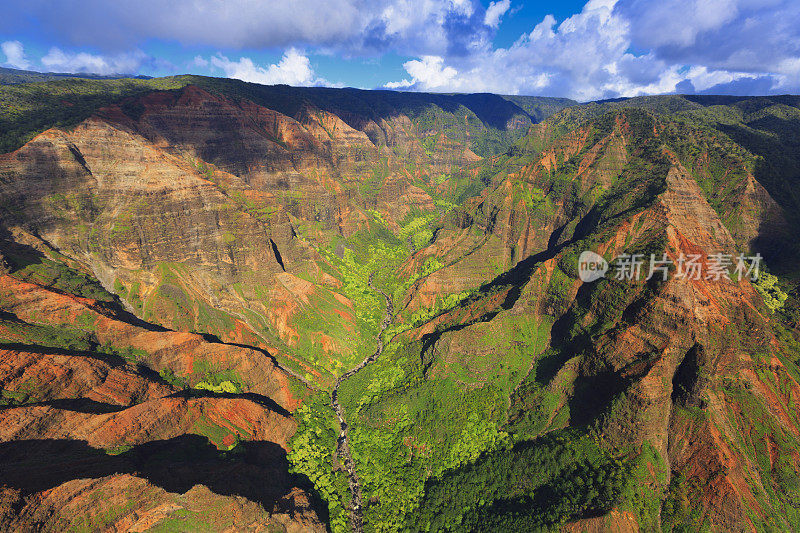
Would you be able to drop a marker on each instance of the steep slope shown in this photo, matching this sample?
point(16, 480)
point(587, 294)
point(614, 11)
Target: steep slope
point(763, 126)
point(192, 264)
point(84, 416)
point(174, 246)
point(647, 384)
point(36, 316)
point(209, 212)
point(30, 108)
point(57, 462)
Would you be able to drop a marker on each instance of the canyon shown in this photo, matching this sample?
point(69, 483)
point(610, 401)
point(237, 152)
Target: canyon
point(231, 306)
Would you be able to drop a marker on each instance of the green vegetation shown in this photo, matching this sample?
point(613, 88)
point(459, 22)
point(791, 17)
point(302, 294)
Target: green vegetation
point(767, 286)
point(118, 450)
point(373, 254)
point(11, 76)
point(216, 380)
point(223, 387)
point(30, 108)
point(405, 428)
point(425, 314)
point(217, 433)
point(62, 337)
point(129, 353)
point(204, 518)
point(356, 273)
point(169, 376)
point(678, 513)
point(770, 447)
point(312, 452)
point(530, 486)
point(55, 273)
point(418, 230)
point(22, 394)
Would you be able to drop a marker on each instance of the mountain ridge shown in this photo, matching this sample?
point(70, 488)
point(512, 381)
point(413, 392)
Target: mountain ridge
point(210, 257)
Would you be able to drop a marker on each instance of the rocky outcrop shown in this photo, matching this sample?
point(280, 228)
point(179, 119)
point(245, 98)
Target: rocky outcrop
point(238, 238)
point(132, 503)
point(42, 377)
point(185, 354)
point(159, 419)
point(78, 424)
point(160, 462)
point(189, 207)
point(667, 366)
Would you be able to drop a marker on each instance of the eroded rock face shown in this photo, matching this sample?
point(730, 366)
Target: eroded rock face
point(46, 376)
point(222, 227)
point(184, 354)
point(160, 419)
point(667, 365)
point(132, 503)
point(189, 210)
point(90, 436)
point(57, 478)
point(99, 429)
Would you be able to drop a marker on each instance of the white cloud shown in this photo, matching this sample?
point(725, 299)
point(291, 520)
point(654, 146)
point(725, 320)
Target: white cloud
point(789, 66)
point(543, 30)
point(428, 71)
point(348, 26)
point(611, 48)
point(588, 56)
point(576, 58)
point(495, 12)
point(756, 36)
point(677, 22)
point(15, 54)
point(294, 68)
point(199, 61)
point(463, 7)
point(402, 84)
point(58, 60)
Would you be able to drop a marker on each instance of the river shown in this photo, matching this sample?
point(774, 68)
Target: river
point(343, 446)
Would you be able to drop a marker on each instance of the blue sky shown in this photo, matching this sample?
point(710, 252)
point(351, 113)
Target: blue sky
point(582, 50)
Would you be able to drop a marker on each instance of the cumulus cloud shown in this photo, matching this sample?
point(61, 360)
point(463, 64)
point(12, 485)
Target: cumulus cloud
point(15, 54)
point(348, 26)
point(758, 36)
point(58, 60)
point(495, 12)
point(294, 68)
point(577, 58)
point(610, 48)
point(589, 55)
point(429, 72)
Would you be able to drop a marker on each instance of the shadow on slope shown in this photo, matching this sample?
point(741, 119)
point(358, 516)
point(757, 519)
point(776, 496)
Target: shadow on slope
point(257, 471)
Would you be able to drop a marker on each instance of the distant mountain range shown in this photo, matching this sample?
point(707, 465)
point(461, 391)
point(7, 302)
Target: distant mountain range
point(10, 76)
